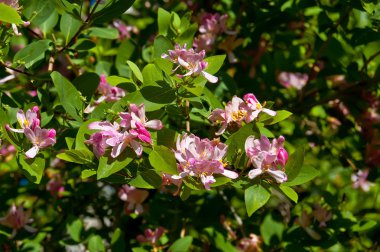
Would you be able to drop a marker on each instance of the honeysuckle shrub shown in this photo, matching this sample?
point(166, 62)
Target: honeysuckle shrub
point(189, 125)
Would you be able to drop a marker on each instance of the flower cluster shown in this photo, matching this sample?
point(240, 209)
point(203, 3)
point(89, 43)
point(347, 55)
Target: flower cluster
point(151, 236)
point(30, 126)
point(134, 197)
point(108, 94)
point(295, 80)
point(267, 157)
point(201, 158)
point(17, 219)
point(118, 136)
point(359, 180)
point(190, 61)
point(238, 111)
point(212, 25)
point(124, 30)
point(250, 244)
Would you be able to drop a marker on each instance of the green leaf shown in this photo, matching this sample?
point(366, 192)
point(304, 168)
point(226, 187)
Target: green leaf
point(32, 53)
point(39, 12)
point(148, 179)
point(69, 26)
point(9, 15)
point(105, 33)
point(87, 84)
point(159, 93)
point(269, 120)
point(185, 192)
point(151, 74)
point(270, 227)
point(87, 173)
point(289, 192)
point(162, 159)
point(136, 98)
point(83, 45)
point(32, 168)
point(181, 245)
point(294, 164)
point(83, 156)
point(112, 10)
point(68, 95)
point(136, 71)
point(116, 80)
point(214, 63)
point(163, 20)
point(117, 241)
point(124, 53)
point(162, 45)
point(50, 22)
point(255, 197)
point(108, 166)
point(95, 244)
point(74, 228)
point(306, 174)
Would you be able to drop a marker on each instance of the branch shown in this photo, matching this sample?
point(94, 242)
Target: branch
point(15, 69)
point(81, 28)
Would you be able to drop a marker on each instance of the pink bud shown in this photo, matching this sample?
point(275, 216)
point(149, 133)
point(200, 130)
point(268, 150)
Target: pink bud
point(282, 156)
point(52, 133)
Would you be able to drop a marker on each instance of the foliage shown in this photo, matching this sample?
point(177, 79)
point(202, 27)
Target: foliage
point(132, 125)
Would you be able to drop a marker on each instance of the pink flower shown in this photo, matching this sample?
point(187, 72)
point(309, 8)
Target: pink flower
point(17, 219)
point(295, 80)
point(267, 157)
point(359, 180)
point(251, 244)
point(151, 236)
point(109, 94)
point(124, 30)
point(124, 140)
point(238, 111)
point(40, 138)
point(190, 61)
point(7, 151)
point(30, 124)
point(321, 215)
point(204, 42)
point(30, 119)
point(201, 158)
point(135, 197)
point(213, 23)
point(99, 139)
point(55, 186)
point(136, 119)
point(256, 106)
point(126, 134)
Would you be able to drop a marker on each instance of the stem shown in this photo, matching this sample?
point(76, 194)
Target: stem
point(81, 28)
point(15, 69)
point(369, 60)
point(73, 67)
point(187, 116)
point(233, 211)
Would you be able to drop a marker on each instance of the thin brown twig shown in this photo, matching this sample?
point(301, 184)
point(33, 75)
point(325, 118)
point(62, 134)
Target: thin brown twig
point(15, 69)
point(314, 69)
point(374, 56)
point(187, 111)
point(81, 28)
